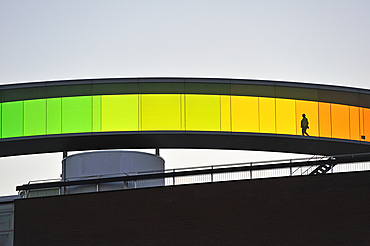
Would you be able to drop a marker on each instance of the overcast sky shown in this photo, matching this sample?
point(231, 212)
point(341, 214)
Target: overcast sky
point(324, 42)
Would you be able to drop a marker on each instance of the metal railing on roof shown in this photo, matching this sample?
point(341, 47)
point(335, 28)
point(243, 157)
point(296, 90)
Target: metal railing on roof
point(214, 173)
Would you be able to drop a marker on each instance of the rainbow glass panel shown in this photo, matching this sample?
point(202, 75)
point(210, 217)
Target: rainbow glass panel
point(120, 113)
point(35, 117)
point(12, 119)
point(203, 112)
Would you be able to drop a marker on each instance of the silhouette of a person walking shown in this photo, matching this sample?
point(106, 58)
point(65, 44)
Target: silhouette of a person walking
point(304, 125)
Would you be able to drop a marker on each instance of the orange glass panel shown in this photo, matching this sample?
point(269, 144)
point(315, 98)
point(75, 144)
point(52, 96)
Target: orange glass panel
point(354, 122)
point(244, 114)
point(362, 134)
point(340, 121)
point(367, 124)
point(311, 110)
point(267, 115)
point(225, 113)
point(285, 116)
point(324, 120)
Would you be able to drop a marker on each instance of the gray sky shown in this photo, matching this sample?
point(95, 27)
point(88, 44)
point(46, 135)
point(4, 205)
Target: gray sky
point(306, 41)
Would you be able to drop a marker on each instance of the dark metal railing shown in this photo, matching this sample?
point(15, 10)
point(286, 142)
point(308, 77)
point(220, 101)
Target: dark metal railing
point(291, 167)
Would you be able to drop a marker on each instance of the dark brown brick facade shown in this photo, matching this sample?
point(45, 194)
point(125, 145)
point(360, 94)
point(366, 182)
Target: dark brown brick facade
point(331, 209)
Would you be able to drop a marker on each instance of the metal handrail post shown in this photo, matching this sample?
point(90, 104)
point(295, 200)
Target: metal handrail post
point(251, 171)
point(212, 174)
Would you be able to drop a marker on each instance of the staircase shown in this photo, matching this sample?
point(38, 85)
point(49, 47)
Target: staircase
point(324, 168)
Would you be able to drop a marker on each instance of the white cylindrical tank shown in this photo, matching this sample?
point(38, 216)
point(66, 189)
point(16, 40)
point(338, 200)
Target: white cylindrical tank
point(103, 164)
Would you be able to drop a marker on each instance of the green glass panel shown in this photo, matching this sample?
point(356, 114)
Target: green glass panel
point(54, 116)
point(97, 113)
point(35, 117)
point(0, 119)
point(77, 114)
point(12, 119)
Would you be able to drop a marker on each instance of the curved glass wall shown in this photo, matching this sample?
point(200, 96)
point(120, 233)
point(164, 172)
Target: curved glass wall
point(184, 112)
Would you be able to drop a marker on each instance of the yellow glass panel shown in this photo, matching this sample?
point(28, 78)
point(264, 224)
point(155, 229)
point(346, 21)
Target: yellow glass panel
point(354, 123)
point(161, 112)
point(183, 122)
point(324, 120)
point(267, 115)
point(285, 116)
point(311, 110)
point(367, 124)
point(203, 112)
point(340, 121)
point(244, 114)
point(120, 113)
point(225, 113)
point(139, 112)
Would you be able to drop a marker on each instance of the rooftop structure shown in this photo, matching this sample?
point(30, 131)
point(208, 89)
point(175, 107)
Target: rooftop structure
point(330, 122)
